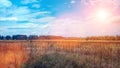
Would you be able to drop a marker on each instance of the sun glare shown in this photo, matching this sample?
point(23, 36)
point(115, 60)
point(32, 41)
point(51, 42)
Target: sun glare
point(102, 15)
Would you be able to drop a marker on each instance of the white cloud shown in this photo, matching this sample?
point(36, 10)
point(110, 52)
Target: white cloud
point(26, 28)
point(25, 14)
point(66, 27)
point(94, 3)
point(8, 19)
point(5, 3)
point(2, 29)
point(73, 1)
point(36, 6)
point(42, 20)
point(28, 1)
point(26, 25)
point(18, 11)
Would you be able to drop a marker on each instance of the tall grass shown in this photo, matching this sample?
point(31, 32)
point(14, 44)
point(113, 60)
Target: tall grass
point(60, 54)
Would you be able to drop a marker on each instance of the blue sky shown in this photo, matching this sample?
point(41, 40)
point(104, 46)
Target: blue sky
point(57, 17)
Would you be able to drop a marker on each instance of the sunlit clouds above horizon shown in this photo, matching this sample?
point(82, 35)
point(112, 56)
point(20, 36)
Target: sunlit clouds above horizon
point(76, 18)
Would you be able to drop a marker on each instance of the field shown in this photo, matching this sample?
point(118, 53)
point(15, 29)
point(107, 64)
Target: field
point(59, 54)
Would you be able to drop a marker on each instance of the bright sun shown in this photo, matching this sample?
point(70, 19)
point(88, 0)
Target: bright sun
point(102, 15)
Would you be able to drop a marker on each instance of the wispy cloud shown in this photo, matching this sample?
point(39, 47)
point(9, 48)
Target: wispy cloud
point(36, 6)
point(18, 11)
point(43, 20)
point(8, 19)
point(5, 3)
point(28, 1)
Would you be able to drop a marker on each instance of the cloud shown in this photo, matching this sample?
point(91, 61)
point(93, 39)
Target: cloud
point(70, 26)
point(66, 27)
point(36, 17)
point(26, 14)
point(99, 3)
point(5, 3)
point(28, 1)
point(72, 1)
point(18, 11)
point(27, 29)
point(36, 6)
point(23, 25)
point(26, 26)
point(9, 19)
point(43, 19)
point(3, 29)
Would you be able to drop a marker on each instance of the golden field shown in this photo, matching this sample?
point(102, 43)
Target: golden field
point(87, 53)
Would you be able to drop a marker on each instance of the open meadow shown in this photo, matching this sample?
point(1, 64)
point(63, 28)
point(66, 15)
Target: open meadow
point(59, 54)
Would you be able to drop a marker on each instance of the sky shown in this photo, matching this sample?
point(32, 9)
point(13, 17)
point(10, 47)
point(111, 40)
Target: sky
point(69, 18)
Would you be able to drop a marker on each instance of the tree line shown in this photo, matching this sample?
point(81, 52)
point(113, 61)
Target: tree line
point(30, 37)
point(36, 37)
point(18, 37)
point(103, 38)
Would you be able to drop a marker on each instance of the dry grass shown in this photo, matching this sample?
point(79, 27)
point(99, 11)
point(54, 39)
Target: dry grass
point(89, 53)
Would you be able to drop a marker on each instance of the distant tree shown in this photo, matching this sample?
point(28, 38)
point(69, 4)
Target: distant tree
point(117, 37)
point(19, 37)
point(42, 37)
point(1, 37)
point(51, 37)
point(8, 37)
point(14, 37)
point(103, 38)
point(33, 37)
